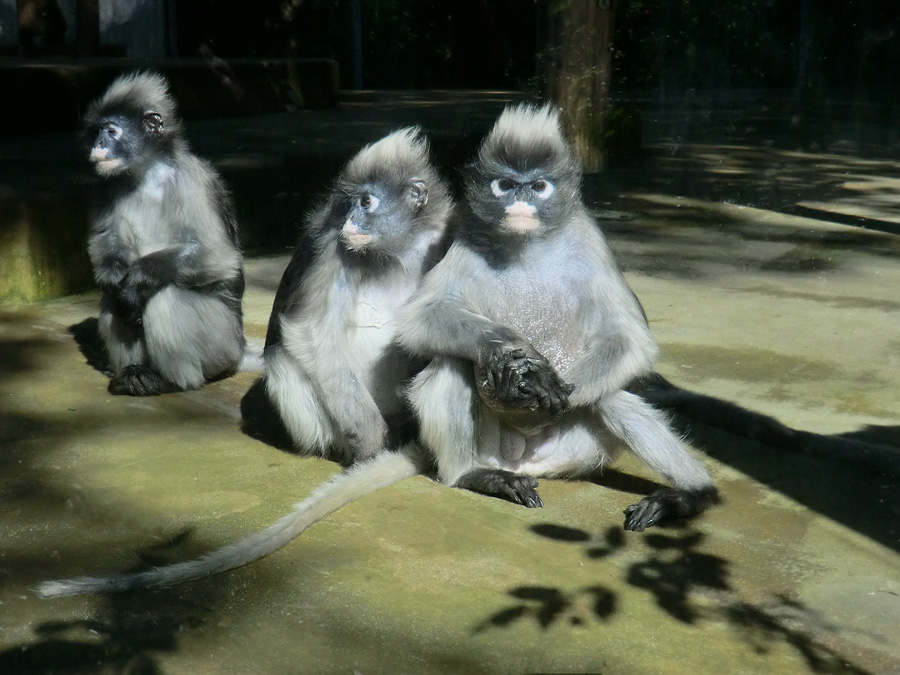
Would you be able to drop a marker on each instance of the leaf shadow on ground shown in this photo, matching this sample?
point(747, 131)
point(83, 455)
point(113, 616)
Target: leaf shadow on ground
point(681, 577)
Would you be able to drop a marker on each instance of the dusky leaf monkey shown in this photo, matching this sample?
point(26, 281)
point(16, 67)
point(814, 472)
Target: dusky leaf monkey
point(164, 247)
point(333, 371)
point(534, 334)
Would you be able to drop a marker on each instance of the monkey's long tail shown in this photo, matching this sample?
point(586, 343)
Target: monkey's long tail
point(357, 482)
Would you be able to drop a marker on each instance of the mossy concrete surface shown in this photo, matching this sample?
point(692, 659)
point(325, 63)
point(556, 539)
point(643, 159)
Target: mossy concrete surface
point(797, 571)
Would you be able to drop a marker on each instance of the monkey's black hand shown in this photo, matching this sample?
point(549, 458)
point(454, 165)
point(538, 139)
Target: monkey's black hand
point(144, 279)
point(668, 503)
point(515, 487)
point(521, 380)
point(110, 271)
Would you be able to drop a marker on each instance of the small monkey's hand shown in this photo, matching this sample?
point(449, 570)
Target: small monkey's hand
point(144, 279)
point(520, 380)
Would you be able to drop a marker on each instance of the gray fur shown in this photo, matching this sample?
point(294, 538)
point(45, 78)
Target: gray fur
point(552, 290)
point(163, 244)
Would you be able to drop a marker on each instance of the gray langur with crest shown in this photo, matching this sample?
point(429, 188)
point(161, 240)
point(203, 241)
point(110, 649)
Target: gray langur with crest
point(534, 334)
point(333, 371)
point(164, 247)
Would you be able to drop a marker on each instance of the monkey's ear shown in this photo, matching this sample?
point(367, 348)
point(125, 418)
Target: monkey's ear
point(418, 194)
point(153, 123)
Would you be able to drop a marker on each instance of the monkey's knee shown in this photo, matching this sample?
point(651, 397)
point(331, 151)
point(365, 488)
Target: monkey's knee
point(668, 504)
point(191, 337)
point(293, 397)
point(517, 488)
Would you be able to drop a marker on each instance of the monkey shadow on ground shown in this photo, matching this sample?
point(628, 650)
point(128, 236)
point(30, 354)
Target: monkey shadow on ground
point(851, 478)
point(125, 633)
point(673, 568)
point(261, 421)
point(87, 337)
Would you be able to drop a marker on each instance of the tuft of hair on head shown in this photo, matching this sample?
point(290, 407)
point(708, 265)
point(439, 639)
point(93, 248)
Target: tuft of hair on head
point(396, 158)
point(135, 94)
point(526, 137)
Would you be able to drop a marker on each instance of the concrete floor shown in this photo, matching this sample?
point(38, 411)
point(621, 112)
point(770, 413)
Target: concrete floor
point(797, 571)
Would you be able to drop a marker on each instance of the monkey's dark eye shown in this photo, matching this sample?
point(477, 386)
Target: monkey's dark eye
point(499, 186)
point(369, 202)
point(114, 131)
point(542, 188)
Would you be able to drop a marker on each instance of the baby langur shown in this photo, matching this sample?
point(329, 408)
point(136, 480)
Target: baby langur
point(534, 334)
point(332, 369)
point(163, 244)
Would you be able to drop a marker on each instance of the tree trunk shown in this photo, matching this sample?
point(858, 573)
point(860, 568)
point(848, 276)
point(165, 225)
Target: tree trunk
point(579, 72)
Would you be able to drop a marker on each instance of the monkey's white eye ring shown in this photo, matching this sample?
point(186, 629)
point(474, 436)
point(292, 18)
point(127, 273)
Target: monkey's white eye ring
point(542, 189)
point(369, 202)
point(500, 186)
point(114, 131)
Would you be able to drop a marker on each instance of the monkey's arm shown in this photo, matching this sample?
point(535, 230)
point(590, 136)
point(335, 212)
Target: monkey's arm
point(438, 321)
point(620, 346)
point(109, 258)
point(188, 265)
point(609, 364)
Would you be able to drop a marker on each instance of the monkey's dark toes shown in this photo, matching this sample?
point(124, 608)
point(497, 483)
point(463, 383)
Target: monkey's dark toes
point(640, 516)
point(517, 488)
point(136, 380)
point(667, 503)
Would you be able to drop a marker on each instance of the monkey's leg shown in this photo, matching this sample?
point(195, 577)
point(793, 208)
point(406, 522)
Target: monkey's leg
point(292, 393)
point(191, 337)
point(645, 431)
point(124, 341)
point(126, 346)
point(443, 397)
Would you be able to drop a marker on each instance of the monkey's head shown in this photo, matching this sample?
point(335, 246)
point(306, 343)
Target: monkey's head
point(391, 194)
point(526, 179)
point(130, 124)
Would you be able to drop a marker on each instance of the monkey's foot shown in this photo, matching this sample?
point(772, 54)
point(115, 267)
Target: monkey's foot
point(504, 484)
point(136, 380)
point(667, 503)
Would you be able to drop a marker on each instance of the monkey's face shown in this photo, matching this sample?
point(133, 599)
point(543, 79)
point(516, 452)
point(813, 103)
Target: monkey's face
point(522, 199)
point(520, 203)
point(122, 142)
point(380, 216)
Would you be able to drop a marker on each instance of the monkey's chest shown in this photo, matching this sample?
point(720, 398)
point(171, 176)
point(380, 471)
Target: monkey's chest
point(548, 314)
point(382, 365)
point(146, 219)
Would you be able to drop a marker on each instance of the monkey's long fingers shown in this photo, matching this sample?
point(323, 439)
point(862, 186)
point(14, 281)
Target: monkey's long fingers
point(517, 488)
point(551, 391)
point(666, 503)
